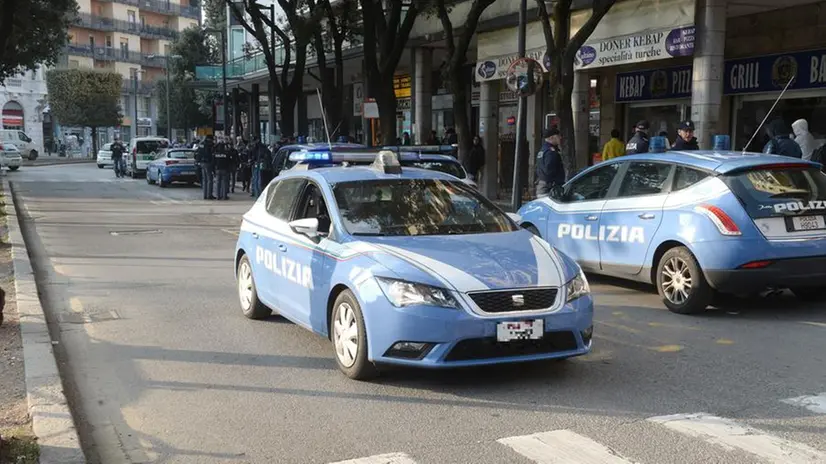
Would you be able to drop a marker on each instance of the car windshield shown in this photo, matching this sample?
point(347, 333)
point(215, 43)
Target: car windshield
point(416, 207)
point(182, 155)
point(107, 147)
point(9, 147)
point(768, 192)
point(148, 146)
point(448, 167)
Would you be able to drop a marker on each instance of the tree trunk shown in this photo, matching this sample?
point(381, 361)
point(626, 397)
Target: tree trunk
point(288, 103)
point(565, 112)
point(344, 128)
point(460, 113)
point(94, 141)
point(386, 101)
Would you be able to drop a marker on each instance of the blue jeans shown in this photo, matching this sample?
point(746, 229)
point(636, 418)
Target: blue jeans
point(206, 180)
point(222, 179)
point(256, 182)
point(120, 167)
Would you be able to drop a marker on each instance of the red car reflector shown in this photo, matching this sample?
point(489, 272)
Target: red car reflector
point(756, 265)
point(724, 223)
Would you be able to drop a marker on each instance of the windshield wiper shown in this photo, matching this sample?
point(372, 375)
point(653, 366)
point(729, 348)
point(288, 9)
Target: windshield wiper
point(369, 234)
point(790, 195)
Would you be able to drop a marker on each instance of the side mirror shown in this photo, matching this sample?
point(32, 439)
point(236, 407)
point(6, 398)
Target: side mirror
point(557, 192)
point(515, 218)
point(308, 227)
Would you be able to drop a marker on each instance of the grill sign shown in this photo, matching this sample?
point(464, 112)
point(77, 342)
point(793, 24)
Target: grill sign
point(794, 206)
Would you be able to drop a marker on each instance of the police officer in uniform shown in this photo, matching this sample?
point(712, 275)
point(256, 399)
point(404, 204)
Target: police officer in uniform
point(206, 159)
point(685, 137)
point(550, 172)
point(222, 167)
point(639, 142)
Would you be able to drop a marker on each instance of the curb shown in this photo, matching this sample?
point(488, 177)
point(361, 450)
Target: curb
point(35, 164)
point(52, 421)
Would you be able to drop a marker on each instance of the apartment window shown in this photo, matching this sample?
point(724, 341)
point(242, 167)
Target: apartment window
point(92, 41)
point(108, 41)
point(166, 49)
point(124, 48)
point(126, 104)
point(133, 73)
point(143, 21)
point(131, 15)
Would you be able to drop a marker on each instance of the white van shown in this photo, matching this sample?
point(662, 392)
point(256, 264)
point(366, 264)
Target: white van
point(21, 141)
point(142, 151)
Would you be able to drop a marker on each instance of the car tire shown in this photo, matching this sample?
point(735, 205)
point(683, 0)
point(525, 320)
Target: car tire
point(346, 319)
point(161, 182)
point(809, 294)
point(32, 155)
point(251, 306)
point(14, 168)
point(100, 166)
point(681, 282)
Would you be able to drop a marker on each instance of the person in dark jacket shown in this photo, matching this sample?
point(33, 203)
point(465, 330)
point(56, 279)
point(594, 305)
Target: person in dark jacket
point(685, 137)
point(118, 151)
point(206, 158)
point(475, 159)
point(550, 172)
point(223, 164)
point(639, 142)
point(781, 142)
point(245, 168)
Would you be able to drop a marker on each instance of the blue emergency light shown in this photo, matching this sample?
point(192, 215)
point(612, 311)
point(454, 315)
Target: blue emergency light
point(311, 156)
point(722, 142)
point(657, 145)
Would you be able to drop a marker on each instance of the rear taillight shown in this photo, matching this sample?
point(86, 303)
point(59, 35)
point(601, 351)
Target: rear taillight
point(756, 265)
point(725, 224)
point(168, 162)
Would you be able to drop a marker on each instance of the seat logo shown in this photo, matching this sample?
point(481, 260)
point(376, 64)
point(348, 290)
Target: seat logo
point(518, 300)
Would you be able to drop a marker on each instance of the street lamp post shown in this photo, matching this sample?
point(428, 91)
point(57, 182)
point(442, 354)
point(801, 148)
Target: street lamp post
point(223, 74)
point(168, 81)
point(521, 115)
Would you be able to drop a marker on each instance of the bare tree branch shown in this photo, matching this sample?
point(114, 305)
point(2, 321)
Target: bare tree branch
point(448, 26)
point(600, 9)
point(545, 19)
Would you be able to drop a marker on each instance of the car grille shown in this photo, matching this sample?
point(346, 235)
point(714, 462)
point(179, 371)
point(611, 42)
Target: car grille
point(508, 300)
point(489, 348)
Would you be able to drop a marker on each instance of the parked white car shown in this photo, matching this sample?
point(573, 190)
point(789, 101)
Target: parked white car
point(142, 151)
point(21, 141)
point(104, 158)
point(10, 156)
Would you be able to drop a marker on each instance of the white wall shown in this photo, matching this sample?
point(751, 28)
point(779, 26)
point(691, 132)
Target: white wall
point(31, 95)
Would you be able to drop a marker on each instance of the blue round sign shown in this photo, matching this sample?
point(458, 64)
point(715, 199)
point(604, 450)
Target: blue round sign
point(586, 55)
point(487, 69)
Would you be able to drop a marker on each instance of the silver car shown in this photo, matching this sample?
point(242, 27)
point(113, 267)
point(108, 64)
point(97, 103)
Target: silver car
point(10, 156)
point(105, 156)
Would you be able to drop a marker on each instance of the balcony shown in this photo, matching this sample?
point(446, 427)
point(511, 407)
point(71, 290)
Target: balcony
point(144, 87)
point(165, 7)
point(101, 23)
point(116, 54)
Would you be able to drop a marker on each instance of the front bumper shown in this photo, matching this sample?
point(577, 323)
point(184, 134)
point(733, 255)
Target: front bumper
point(459, 338)
point(784, 273)
point(105, 162)
point(13, 162)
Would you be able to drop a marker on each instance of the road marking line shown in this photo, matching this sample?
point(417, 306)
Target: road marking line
point(392, 458)
point(231, 232)
point(731, 435)
point(75, 304)
point(724, 341)
point(563, 447)
point(620, 327)
point(816, 324)
point(658, 349)
point(814, 403)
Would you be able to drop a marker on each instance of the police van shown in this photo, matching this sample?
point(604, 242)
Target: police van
point(693, 223)
point(142, 151)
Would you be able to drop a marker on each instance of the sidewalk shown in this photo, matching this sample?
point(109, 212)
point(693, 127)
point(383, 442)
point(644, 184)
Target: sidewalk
point(50, 160)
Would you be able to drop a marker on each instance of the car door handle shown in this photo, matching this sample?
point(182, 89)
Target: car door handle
point(282, 247)
point(591, 218)
point(646, 216)
point(254, 235)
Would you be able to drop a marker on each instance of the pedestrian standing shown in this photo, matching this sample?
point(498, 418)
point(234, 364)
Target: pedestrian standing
point(254, 153)
point(476, 159)
point(804, 138)
point(781, 142)
point(639, 142)
point(245, 171)
point(206, 160)
point(685, 137)
point(233, 165)
point(613, 148)
point(550, 172)
point(117, 150)
point(266, 161)
point(222, 166)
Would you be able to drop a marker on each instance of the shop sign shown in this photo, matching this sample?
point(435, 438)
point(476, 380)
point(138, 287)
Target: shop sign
point(653, 84)
point(508, 97)
point(358, 99)
point(401, 85)
point(496, 68)
point(637, 48)
point(403, 104)
point(772, 73)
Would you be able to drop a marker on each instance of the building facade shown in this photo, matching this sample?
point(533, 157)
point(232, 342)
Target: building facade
point(132, 38)
point(24, 108)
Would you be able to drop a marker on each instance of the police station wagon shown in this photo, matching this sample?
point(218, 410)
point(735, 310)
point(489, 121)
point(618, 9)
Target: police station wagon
point(693, 223)
point(406, 266)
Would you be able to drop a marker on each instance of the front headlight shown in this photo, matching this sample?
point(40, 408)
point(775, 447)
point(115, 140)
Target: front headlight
point(402, 293)
point(577, 287)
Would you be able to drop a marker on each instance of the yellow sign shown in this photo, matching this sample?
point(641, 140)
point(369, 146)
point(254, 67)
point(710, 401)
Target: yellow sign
point(401, 85)
point(203, 131)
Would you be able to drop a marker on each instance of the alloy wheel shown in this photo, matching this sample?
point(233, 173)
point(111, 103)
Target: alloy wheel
point(677, 281)
point(346, 335)
point(245, 286)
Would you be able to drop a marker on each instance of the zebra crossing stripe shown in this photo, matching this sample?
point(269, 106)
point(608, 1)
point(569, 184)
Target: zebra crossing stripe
point(563, 447)
point(731, 435)
point(392, 458)
point(814, 403)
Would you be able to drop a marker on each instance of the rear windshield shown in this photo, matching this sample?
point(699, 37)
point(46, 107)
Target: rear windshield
point(148, 146)
point(182, 155)
point(780, 191)
point(448, 167)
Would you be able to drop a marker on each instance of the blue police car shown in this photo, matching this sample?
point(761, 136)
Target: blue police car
point(406, 266)
point(693, 223)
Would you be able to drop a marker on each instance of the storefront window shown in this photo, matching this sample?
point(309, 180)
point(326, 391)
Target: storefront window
point(751, 113)
point(662, 118)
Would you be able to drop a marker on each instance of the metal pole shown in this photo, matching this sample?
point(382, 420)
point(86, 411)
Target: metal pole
point(271, 87)
point(224, 78)
point(135, 123)
point(521, 118)
point(168, 119)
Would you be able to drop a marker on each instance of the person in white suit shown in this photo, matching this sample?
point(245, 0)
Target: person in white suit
point(804, 138)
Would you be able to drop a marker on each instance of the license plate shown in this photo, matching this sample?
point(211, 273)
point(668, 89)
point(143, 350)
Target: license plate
point(809, 223)
point(147, 157)
point(519, 330)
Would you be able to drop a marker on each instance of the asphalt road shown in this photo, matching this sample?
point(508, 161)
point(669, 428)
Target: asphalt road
point(162, 366)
